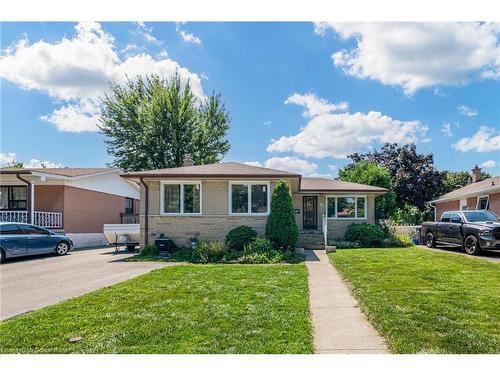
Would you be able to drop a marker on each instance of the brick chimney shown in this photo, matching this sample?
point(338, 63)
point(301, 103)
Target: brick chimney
point(188, 161)
point(476, 174)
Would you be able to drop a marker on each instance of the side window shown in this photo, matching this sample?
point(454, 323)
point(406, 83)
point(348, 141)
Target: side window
point(482, 203)
point(129, 206)
point(446, 217)
point(456, 218)
point(29, 229)
point(10, 229)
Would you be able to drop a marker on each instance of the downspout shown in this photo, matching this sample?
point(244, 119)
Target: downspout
point(30, 208)
point(146, 210)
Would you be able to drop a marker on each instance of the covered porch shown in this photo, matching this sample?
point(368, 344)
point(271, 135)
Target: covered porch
point(22, 201)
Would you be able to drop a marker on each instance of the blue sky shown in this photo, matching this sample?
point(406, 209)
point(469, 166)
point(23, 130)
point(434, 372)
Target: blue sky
point(301, 95)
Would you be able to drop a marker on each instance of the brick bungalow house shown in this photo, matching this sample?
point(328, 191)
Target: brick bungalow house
point(209, 200)
point(478, 195)
point(77, 201)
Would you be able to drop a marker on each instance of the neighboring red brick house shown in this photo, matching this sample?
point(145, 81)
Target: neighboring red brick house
point(478, 195)
point(75, 200)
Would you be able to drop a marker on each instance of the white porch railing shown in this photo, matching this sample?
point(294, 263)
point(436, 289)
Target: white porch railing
point(41, 218)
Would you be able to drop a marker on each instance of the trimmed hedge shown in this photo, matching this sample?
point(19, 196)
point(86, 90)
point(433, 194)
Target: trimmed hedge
point(367, 235)
point(281, 228)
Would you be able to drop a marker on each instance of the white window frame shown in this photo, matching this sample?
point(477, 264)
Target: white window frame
point(181, 213)
point(355, 206)
point(487, 202)
point(249, 183)
point(463, 204)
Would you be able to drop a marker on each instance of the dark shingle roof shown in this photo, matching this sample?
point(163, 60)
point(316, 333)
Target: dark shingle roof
point(326, 184)
point(214, 170)
point(471, 189)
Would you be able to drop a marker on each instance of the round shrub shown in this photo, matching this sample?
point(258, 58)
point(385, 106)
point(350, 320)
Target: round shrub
point(239, 237)
point(281, 228)
point(367, 235)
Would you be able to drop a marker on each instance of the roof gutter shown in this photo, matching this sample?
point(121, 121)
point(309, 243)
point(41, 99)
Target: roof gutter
point(146, 211)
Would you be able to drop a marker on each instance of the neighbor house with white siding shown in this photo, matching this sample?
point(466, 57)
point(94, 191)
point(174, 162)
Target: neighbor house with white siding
point(77, 201)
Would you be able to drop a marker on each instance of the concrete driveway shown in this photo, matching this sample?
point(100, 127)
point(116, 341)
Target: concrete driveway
point(490, 256)
point(34, 282)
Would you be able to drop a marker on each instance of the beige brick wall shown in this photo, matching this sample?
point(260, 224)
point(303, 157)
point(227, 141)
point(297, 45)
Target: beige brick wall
point(214, 223)
point(207, 227)
point(214, 197)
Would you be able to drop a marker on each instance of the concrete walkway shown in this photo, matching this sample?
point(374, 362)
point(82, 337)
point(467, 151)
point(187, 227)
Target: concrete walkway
point(338, 324)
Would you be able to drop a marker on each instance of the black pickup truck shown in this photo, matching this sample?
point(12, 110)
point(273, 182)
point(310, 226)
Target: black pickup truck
point(473, 230)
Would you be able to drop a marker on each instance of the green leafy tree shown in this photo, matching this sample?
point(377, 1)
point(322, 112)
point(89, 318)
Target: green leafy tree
point(456, 180)
point(281, 228)
point(415, 180)
point(368, 173)
point(153, 123)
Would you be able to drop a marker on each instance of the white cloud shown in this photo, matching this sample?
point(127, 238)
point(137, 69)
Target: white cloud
point(466, 111)
point(418, 55)
point(489, 164)
point(35, 163)
point(10, 157)
point(289, 164)
point(146, 32)
point(7, 158)
point(314, 105)
point(446, 130)
point(78, 71)
point(486, 139)
point(267, 123)
point(339, 134)
point(185, 36)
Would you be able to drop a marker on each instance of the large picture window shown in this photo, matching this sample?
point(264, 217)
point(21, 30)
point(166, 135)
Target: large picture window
point(181, 198)
point(13, 198)
point(346, 207)
point(249, 198)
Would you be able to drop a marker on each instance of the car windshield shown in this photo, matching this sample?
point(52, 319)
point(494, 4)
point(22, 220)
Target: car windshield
point(480, 216)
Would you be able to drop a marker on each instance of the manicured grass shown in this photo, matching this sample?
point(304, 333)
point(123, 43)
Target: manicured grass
point(178, 309)
point(423, 301)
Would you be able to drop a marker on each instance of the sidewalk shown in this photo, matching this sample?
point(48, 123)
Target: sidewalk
point(338, 324)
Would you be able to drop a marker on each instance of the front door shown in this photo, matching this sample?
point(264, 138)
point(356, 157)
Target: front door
point(310, 212)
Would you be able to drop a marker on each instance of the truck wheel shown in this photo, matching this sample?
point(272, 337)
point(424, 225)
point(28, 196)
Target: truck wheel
point(471, 245)
point(430, 240)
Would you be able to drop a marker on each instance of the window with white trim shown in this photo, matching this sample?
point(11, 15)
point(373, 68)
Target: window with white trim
point(180, 198)
point(346, 207)
point(482, 202)
point(249, 198)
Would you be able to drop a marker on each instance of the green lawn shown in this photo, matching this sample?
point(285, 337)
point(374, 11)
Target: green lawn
point(179, 309)
point(423, 301)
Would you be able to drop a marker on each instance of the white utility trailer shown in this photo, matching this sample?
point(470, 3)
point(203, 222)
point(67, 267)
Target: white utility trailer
point(122, 235)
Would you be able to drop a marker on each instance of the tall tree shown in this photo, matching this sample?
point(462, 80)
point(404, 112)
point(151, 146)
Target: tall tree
point(415, 180)
point(153, 123)
point(456, 180)
point(368, 173)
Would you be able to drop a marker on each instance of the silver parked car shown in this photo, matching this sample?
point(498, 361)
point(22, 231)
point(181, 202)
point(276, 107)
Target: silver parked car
point(20, 239)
